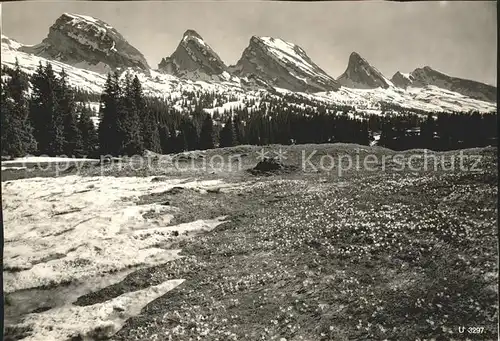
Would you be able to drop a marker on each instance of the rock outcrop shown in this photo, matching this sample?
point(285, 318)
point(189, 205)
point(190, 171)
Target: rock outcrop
point(361, 75)
point(194, 59)
point(282, 64)
point(88, 43)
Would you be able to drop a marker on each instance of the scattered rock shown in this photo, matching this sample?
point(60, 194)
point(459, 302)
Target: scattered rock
point(269, 166)
point(117, 308)
point(150, 154)
point(40, 310)
point(190, 155)
point(175, 190)
point(12, 333)
point(158, 179)
point(105, 161)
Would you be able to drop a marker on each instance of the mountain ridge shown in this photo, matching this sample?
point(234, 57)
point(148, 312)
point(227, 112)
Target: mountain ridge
point(425, 76)
point(267, 66)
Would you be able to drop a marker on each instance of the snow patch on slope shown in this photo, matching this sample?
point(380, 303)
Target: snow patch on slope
point(96, 321)
point(84, 79)
point(70, 228)
point(99, 67)
point(289, 52)
point(45, 159)
point(85, 19)
point(429, 98)
point(225, 107)
point(10, 44)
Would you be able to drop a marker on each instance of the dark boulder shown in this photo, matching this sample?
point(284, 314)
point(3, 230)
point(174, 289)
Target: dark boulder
point(269, 166)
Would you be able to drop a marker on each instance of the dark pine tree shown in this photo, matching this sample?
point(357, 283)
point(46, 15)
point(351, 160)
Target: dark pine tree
point(37, 109)
point(364, 137)
point(178, 141)
point(88, 133)
point(16, 131)
point(149, 121)
point(227, 137)
point(188, 135)
point(387, 136)
point(51, 119)
point(239, 130)
point(109, 135)
point(48, 125)
point(207, 136)
point(128, 120)
point(66, 109)
point(427, 129)
point(165, 145)
point(56, 145)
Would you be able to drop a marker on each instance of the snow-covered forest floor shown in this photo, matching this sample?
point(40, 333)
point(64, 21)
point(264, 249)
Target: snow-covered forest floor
point(196, 247)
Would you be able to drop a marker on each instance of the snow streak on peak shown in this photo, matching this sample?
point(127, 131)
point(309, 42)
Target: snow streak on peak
point(280, 44)
point(86, 19)
point(81, 17)
point(289, 52)
point(191, 33)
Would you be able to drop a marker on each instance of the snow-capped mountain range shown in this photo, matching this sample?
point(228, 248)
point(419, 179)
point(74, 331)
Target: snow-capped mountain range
point(88, 48)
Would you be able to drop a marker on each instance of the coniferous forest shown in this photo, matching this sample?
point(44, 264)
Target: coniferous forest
point(53, 118)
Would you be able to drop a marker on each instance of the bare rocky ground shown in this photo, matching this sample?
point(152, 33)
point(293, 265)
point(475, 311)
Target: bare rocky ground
point(384, 254)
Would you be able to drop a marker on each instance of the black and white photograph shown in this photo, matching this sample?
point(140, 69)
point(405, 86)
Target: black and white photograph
point(249, 170)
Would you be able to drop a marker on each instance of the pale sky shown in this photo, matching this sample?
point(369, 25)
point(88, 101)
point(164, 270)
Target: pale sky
point(456, 38)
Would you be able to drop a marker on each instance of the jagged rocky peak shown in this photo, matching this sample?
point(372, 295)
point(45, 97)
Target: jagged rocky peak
point(191, 34)
point(282, 64)
point(88, 43)
point(401, 80)
point(194, 59)
point(421, 77)
point(361, 75)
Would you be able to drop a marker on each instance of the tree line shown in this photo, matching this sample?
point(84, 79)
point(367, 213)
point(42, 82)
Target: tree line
point(48, 121)
point(440, 131)
point(52, 120)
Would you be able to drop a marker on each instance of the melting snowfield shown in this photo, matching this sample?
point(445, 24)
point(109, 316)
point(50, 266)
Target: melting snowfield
point(88, 232)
